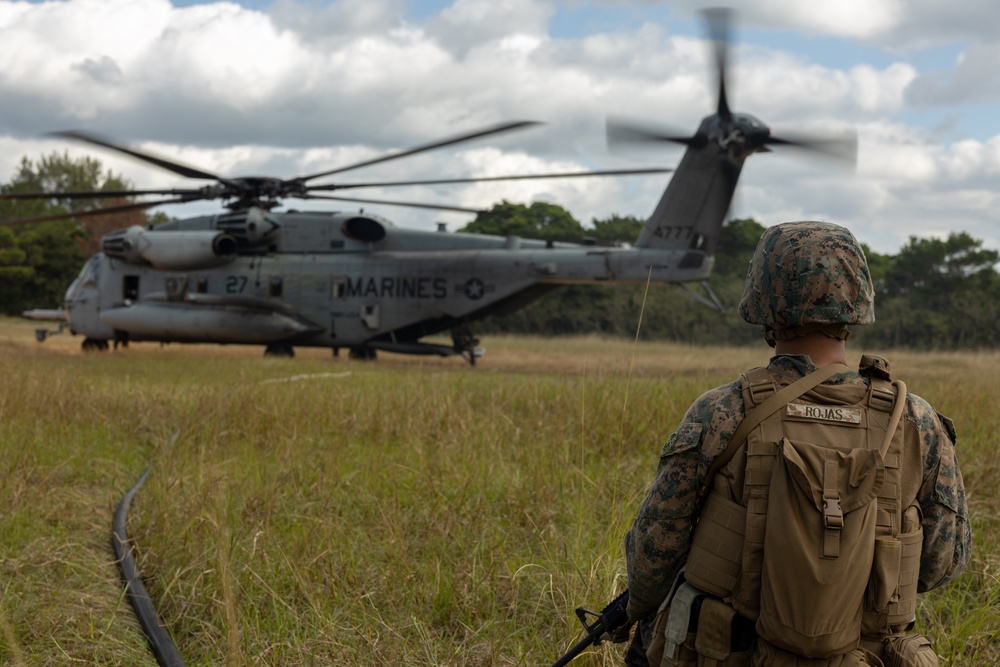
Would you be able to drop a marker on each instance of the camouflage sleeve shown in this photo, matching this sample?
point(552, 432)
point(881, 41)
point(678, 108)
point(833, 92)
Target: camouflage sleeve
point(947, 542)
point(658, 542)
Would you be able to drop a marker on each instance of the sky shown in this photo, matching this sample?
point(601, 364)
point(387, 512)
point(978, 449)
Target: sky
point(290, 87)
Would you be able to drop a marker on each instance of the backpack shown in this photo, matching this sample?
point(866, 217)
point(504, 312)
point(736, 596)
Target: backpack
point(819, 480)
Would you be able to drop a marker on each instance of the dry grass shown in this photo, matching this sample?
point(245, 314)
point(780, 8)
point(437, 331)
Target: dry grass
point(410, 511)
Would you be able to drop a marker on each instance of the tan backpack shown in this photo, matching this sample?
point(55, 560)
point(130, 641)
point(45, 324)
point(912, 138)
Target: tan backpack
point(818, 489)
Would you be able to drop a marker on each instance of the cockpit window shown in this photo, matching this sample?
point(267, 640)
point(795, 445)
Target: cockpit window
point(89, 275)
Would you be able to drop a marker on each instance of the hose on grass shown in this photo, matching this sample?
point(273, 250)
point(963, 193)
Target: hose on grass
point(160, 642)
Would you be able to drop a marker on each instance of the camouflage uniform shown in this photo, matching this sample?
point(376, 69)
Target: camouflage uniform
point(657, 545)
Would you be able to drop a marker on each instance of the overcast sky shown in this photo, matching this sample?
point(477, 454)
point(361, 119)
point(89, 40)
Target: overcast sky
point(290, 87)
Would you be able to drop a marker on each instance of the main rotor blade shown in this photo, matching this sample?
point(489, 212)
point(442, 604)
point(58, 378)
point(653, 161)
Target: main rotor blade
point(95, 211)
point(717, 22)
point(621, 131)
point(97, 194)
point(183, 170)
point(505, 127)
point(484, 179)
point(438, 207)
point(843, 147)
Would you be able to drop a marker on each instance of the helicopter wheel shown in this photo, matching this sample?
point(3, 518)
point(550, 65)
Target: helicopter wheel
point(120, 338)
point(94, 345)
point(279, 350)
point(362, 354)
point(465, 343)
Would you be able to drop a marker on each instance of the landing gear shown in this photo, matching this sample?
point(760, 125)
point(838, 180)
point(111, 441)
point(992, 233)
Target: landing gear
point(120, 338)
point(362, 354)
point(42, 334)
point(279, 350)
point(466, 344)
point(94, 345)
point(709, 299)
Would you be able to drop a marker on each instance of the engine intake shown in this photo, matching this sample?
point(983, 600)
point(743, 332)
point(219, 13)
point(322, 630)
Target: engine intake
point(363, 228)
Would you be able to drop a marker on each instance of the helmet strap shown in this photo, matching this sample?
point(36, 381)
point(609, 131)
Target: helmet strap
point(835, 331)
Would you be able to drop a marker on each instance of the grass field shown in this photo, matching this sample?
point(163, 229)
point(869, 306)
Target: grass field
point(413, 511)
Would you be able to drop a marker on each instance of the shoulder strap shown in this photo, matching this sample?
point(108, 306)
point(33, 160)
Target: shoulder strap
point(774, 403)
point(897, 412)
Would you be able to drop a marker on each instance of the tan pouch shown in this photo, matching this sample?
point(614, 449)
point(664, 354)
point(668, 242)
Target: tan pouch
point(883, 587)
point(904, 608)
point(672, 643)
point(714, 638)
point(716, 556)
point(654, 652)
point(685, 656)
point(910, 651)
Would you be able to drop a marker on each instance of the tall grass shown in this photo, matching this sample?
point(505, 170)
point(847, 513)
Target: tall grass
point(409, 511)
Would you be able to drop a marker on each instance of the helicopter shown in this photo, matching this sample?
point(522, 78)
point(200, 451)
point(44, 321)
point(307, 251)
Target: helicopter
point(253, 275)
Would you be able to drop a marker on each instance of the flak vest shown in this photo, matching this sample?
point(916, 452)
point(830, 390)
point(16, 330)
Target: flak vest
point(807, 547)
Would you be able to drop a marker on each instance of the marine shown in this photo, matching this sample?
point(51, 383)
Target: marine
point(807, 283)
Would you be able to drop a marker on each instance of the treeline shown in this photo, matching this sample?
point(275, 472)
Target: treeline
point(932, 294)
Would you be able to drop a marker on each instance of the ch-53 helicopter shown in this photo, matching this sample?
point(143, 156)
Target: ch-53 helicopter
point(352, 280)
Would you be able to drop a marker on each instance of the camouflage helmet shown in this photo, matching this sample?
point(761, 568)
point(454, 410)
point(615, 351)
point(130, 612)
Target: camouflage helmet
point(805, 277)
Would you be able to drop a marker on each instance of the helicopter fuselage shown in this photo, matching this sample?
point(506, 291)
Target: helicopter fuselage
point(336, 280)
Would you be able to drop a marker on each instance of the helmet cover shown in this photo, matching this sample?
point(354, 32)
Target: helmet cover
point(808, 274)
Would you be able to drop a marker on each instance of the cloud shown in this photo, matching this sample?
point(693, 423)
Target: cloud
point(307, 86)
point(328, 25)
point(513, 25)
point(974, 78)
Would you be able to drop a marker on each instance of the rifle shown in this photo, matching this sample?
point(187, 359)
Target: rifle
point(611, 618)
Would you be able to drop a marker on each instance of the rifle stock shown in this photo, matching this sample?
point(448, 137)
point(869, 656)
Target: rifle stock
point(611, 618)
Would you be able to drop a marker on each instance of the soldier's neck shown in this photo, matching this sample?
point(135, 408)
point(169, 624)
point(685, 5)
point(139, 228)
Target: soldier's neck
point(823, 350)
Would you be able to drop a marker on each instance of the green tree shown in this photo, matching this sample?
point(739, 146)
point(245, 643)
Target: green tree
point(737, 241)
point(616, 230)
point(541, 220)
point(878, 266)
point(934, 267)
point(38, 261)
point(937, 293)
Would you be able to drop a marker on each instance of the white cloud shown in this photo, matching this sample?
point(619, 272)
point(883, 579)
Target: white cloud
point(468, 24)
point(859, 19)
point(312, 86)
point(974, 78)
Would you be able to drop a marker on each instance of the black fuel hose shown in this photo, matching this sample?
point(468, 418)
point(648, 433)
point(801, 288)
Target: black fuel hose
point(159, 639)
